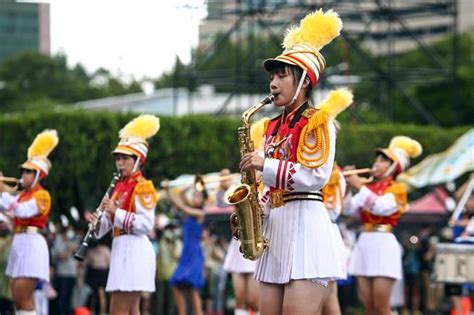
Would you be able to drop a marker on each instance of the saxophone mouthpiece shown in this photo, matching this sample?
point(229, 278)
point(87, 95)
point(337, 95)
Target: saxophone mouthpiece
point(271, 98)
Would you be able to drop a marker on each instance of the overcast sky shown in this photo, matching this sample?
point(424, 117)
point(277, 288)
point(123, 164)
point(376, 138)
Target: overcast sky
point(131, 37)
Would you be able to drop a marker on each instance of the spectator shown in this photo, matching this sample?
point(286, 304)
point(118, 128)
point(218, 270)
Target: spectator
point(62, 252)
point(6, 305)
point(97, 271)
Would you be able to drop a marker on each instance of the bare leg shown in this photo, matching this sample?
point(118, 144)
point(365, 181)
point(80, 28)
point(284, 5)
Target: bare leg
point(364, 290)
point(124, 302)
point(196, 302)
point(253, 293)
point(271, 301)
point(331, 305)
point(456, 301)
point(136, 307)
point(102, 300)
point(238, 279)
point(180, 300)
point(304, 297)
point(382, 288)
point(23, 293)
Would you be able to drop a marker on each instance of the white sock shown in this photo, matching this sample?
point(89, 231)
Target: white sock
point(239, 311)
point(23, 312)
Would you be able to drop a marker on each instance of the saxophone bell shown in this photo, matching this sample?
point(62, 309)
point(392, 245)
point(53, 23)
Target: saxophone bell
point(246, 221)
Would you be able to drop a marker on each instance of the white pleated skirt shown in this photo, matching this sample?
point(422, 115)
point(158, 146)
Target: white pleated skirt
point(376, 254)
point(341, 261)
point(132, 264)
point(29, 257)
point(302, 244)
point(234, 261)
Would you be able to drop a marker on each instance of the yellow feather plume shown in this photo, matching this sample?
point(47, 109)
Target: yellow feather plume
point(43, 144)
point(336, 102)
point(412, 147)
point(317, 29)
point(257, 131)
point(143, 126)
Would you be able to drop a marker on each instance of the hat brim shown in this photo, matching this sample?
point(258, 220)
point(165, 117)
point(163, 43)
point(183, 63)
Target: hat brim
point(29, 166)
point(125, 151)
point(387, 152)
point(271, 63)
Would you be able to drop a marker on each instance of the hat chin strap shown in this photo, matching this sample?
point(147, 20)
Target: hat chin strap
point(36, 179)
point(298, 90)
point(390, 170)
point(135, 167)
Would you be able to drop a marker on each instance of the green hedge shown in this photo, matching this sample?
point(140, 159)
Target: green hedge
point(83, 165)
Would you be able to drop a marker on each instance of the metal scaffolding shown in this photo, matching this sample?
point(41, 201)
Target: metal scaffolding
point(375, 31)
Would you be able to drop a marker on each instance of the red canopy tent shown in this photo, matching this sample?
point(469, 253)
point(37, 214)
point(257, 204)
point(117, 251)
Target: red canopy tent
point(430, 208)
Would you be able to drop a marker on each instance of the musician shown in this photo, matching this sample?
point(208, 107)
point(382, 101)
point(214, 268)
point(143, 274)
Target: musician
point(129, 213)
point(245, 286)
point(463, 231)
point(377, 259)
point(29, 258)
point(333, 195)
point(189, 275)
point(297, 271)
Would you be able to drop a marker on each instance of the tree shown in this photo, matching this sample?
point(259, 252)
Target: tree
point(33, 79)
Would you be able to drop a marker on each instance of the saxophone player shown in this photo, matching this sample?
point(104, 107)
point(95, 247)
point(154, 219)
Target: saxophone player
point(28, 262)
point(129, 213)
point(296, 272)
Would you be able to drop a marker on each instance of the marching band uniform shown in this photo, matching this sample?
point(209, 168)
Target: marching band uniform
point(335, 189)
point(29, 257)
point(299, 150)
point(234, 261)
point(333, 196)
point(380, 205)
point(132, 265)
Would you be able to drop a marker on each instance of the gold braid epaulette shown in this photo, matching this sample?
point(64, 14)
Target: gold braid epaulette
point(332, 191)
point(146, 193)
point(399, 190)
point(43, 201)
point(314, 154)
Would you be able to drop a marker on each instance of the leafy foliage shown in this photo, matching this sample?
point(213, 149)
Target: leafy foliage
point(83, 165)
point(32, 80)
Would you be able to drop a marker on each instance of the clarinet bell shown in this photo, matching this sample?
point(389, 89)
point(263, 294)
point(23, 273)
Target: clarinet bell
point(81, 252)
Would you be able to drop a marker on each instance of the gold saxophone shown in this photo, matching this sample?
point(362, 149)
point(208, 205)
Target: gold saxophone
point(246, 221)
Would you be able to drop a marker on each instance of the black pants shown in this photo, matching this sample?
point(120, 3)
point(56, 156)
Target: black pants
point(64, 287)
point(6, 306)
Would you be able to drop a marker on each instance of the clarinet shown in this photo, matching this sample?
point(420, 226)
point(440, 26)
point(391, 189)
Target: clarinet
point(80, 254)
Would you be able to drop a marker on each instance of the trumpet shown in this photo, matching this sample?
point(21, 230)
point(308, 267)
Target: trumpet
point(189, 181)
point(13, 180)
point(360, 171)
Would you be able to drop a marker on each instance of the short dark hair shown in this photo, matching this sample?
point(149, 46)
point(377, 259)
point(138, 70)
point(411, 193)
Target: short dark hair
point(295, 71)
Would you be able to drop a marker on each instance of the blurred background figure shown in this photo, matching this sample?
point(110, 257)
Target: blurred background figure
point(62, 252)
point(188, 278)
point(169, 251)
point(97, 270)
point(6, 304)
point(214, 258)
point(224, 184)
point(462, 230)
point(412, 275)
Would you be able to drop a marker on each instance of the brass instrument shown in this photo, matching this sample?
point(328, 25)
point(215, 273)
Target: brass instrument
point(12, 180)
point(246, 221)
point(207, 179)
point(81, 252)
point(360, 171)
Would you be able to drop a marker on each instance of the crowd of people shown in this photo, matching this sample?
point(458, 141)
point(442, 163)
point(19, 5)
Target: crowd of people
point(296, 192)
